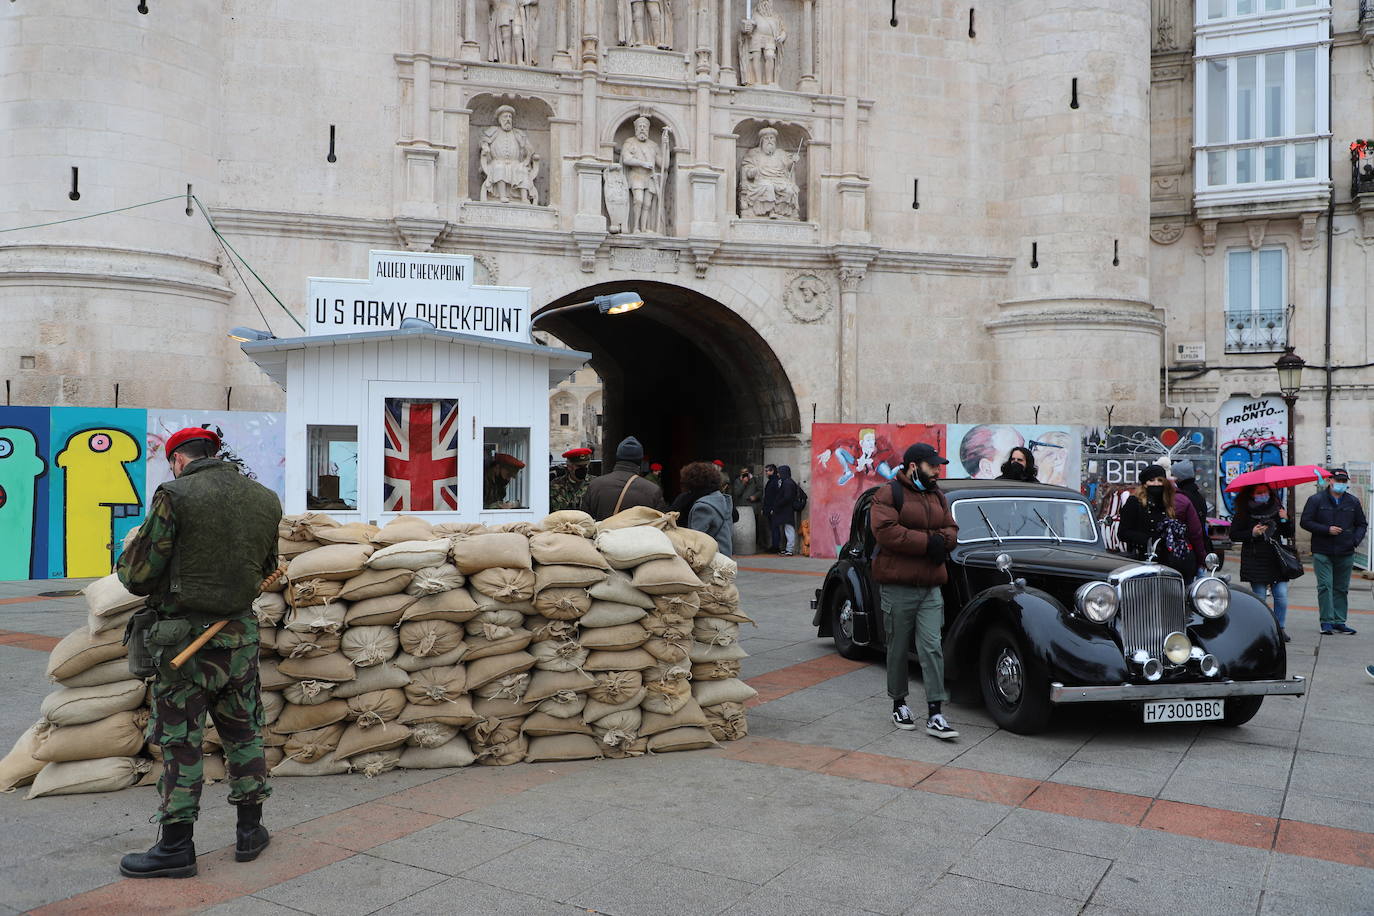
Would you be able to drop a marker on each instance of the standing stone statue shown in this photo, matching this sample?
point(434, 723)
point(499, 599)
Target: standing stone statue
point(645, 23)
point(767, 180)
point(509, 163)
point(643, 166)
point(761, 39)
point(513, 32)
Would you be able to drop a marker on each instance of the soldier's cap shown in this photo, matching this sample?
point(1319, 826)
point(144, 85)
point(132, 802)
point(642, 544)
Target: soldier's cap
point(179, 438)
point(509, 461)
point(718, 463)
point(578, 455)
point(655, 468)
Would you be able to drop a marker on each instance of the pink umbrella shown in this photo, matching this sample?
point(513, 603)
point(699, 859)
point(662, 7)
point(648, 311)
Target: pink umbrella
point(1279, 477)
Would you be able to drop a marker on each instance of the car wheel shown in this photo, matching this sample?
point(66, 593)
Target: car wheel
point(1240, 710)
point(1015, 696)
point(842, 625)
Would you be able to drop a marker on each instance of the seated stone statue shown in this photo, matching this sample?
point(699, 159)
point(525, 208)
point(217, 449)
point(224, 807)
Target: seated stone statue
point(509, 163)
point(767, 183)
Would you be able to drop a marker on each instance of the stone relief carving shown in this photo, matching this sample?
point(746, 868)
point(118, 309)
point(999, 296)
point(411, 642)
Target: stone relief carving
point(762, 35)
point(1164, 25)
point(767, 180)
point(1166, 233)
point(644, 260)
point(807, 298)
point(645, 23)
point(513, 32)
point(488, 271)
point(644, 165)
point(509, 163)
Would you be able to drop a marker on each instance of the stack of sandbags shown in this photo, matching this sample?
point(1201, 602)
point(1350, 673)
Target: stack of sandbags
point(717, 654)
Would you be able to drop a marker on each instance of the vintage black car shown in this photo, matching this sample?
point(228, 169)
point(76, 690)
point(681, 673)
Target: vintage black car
point(1039, 614)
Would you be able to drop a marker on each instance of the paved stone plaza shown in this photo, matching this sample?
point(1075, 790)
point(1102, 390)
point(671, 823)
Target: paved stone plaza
point(825, 808)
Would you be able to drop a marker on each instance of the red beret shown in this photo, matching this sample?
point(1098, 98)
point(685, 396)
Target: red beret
point(508, 460)
point(718, 463)
point(578, 454)
point(179, 438)
point(655, 468)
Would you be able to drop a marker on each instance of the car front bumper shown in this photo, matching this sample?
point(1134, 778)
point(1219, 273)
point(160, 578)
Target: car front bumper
point(1126, 693)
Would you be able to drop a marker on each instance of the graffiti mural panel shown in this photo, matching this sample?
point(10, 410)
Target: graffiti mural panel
point(97, 487)
point(1113, 458)
point(254, 441)
point(24, 476)
point(978, 451)
point(1251, 433)
point(847, 459)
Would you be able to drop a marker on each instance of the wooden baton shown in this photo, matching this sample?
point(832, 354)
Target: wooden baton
point(185, 655)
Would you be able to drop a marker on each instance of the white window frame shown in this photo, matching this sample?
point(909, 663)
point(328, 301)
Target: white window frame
point(1258, 35)
point(1255, 335)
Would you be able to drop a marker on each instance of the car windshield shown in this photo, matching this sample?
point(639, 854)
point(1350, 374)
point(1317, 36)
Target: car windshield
point(1017, 518)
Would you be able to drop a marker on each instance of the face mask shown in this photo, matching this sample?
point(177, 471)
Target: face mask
point(1261, 498)
point(1339, 487)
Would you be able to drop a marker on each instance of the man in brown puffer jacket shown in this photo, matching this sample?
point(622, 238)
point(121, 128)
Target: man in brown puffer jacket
point(914, 529)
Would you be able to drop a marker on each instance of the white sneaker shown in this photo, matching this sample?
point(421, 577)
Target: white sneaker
point(901, 717)
point(937, 726)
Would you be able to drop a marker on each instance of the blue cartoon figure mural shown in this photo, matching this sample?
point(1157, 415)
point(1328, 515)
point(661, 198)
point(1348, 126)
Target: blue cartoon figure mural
point(1251, 433)
point(21, 465)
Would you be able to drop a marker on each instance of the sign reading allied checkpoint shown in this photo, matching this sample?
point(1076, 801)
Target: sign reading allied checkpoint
point(407, 284)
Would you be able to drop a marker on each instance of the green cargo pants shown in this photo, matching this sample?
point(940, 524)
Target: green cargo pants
point(914, 611)
point(224, 683)
point(1333, 584)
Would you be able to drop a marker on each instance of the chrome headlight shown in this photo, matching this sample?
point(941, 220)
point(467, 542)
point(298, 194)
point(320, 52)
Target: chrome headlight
point(1096, 601)
point(1210, 596)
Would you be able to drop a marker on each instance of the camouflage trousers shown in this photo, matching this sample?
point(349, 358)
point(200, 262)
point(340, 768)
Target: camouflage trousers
point(224, 683)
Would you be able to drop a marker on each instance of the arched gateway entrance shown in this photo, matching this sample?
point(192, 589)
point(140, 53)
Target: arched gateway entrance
point(687, 376)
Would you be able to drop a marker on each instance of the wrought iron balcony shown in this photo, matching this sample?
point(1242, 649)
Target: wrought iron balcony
point(1361, 173)
point(1259, 331)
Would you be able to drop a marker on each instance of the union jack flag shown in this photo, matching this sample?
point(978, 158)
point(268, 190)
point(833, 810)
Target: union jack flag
point(421, 456)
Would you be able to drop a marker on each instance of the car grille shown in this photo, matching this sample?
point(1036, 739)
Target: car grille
point(1152, 607)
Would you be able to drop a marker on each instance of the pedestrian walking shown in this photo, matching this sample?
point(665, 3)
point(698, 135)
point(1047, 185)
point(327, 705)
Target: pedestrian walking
point(703, 507)
point(1156, 512)
point(1185, 481)
point(200, 557)
point(623, 488)
point(779, 505)
point(1337, 523)
point(914, 528)
point(1258, 520)
point(569, 482)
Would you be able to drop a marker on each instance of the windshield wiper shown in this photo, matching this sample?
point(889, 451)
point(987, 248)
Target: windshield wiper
point(993, 531)
point(1054, 534)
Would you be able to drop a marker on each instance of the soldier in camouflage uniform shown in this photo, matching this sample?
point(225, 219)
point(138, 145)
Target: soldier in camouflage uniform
point(569, 482)
point(201, 555)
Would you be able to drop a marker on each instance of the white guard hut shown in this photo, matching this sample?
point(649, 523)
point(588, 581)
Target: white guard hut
point(444, 417)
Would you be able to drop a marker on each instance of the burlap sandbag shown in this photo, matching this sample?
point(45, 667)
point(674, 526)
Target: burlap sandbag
point(456, 530)
point(289, 550)
point(329, 765)
point(431, 734)
point(378, 707)
point(563, 603)
point(358, 739)
point(565, 704)
point(295, 718)
point(79, 705)
point(618, 588)
point(486, 551)
point(701, 652)
point(610, 614)
point(563, 576)
point(80, 650)
point(616, 639)
point(307, 592)
point(383, 611)
point(625, 720)
point(116, 669)
point(553, 655)
point(504, 617)
point(374, 763)
point(270, 677)
point(411, 555)
point(324, 618)
point(308, 693)
point(404, 528)
point(454, 753)
point(688, 715)
point(277, 582)
point(504, 583)
point(413, 663)
point(494, 731)
point(332, 562)
point(302, 527)
point(667, 624)
point(686, 605)
point(368, 646)
point(671, 649)
point(666, 697)
point(615, 687)
point(454, 605)
point(269, 608)
point(713, 631)
point(373, 677)
point(681, 739)
point(637, 515)
point(19, 766)
point(562, 747)
point(437, 685)
point(544, 684)
point(375, 583)
point(665, 577)
point(629, 660)
point(428, 638)
point(570, 521)
point(726, 721)
point(720, 571)
point(716, 671)
point(506, 687)
point(314, 744)
point(291, 644)
point(626, 548)
point(551, 549)
point(524, 529)
point(272, 704)
point(597, 710)
point(351, 533)
point(431, 580)
point(495, 708)
point(713, 693)
point(116, 622)
point(457, 712)
point(496, 640)
point(333, 667)
point(541, 724)
point(668, 671)
point(502, 754)
point(267, 640)
point(77, 777)
point(543, 629)
point(723, 601)
point(696, 547)
point(485, 670)
point(107, 597)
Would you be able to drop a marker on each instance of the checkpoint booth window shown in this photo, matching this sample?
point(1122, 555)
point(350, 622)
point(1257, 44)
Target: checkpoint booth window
point(332, 453)
point(505, 468)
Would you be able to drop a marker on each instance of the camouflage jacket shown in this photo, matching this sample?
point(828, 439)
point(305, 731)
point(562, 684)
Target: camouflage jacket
point(565, 491)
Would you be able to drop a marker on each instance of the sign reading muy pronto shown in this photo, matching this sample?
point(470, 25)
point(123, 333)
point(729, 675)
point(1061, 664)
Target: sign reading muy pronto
point(408, 284)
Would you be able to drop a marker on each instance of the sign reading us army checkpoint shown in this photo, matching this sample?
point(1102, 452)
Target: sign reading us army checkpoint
point(407, 284)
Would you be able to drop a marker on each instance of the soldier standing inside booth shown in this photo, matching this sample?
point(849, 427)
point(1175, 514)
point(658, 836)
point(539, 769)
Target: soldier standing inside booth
point(200, 557)
point(568, 483)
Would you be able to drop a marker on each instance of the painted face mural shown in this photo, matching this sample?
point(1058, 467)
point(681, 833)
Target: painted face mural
point(98, 491)
point(20, 467)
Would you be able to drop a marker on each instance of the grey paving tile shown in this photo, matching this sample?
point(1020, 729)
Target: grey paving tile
point(628, 831)
point(1337, 775)
point(839, 790)
point(1336, 736)
point(1060, 831)
point(765, 725)
point(651, 887)
point(1132, 886)
point(250, 906)
point(1329, 810)
point(533, 815)
point(1221, 792)
point(451, 847)
point(462, 897)
point(955, 894)
point(920, 746)
point(842, 729)
point(1342, 888)
point(548, 869)
point(800, 817)
point(735, 853)
point(1226, 863)
point(810, 704)
point(357, 885)
point(929, 811)
point(1250, 733)
point(842, 877)
point(1034, 868)
point(1111, 778)
point(59, 873)
point(1018, 755)
point(767, 901)
point(899, 841)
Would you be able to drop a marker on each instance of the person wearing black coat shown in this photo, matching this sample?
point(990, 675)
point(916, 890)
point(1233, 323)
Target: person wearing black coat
point(1259, 517)
point(1157, 512)
point(1337, 523)
point(779, 499)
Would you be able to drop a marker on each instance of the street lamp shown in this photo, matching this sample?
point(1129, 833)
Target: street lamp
point(610, 304)
point(1290, 367)
point(249, 334)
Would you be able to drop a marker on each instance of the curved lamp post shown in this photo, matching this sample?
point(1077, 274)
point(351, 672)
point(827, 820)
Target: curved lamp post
point(1290, 367)
point(610, 304)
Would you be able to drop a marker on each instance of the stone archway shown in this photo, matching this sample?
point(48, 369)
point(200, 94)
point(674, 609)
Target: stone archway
point(686, 375)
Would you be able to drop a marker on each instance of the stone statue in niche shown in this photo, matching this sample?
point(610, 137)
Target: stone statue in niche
point(762, 34)
point(513, 32)
point(509, 163)
point(645, 23)
point(767, 180)
point(646, 174)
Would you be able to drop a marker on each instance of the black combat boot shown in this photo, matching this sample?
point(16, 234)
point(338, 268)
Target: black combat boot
point(173, 856)
point(251, 837)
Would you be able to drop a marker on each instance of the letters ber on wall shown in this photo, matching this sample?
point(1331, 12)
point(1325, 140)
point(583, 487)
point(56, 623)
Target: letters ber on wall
point(807, 297)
